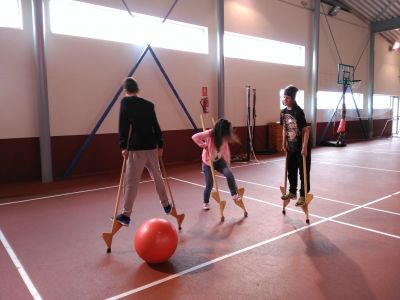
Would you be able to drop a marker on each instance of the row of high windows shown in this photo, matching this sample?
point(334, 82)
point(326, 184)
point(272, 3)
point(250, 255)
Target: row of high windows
point(75, 18)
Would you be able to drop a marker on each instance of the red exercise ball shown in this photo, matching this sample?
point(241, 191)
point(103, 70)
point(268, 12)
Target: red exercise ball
point(156, 240)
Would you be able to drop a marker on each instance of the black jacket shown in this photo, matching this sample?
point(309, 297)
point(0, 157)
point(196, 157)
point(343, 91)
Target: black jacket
point(146, 132)
point(294, 121)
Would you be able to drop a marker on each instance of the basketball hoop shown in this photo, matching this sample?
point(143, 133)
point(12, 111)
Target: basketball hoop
point(356, 84)
point(345, 74)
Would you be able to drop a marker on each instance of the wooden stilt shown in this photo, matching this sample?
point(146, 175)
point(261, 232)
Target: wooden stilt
point(108, 236)
point(308, 197)
point(215, 195)
point(284, 188)
point(179, 217)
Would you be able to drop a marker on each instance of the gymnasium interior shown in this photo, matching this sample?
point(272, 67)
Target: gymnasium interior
point(62, 175)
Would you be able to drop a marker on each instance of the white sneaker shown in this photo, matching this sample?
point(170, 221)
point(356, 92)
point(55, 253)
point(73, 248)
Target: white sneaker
point(206, 206)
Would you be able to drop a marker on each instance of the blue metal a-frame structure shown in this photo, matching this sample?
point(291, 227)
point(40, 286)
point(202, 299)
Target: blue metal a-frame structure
point(346, 78)
point(115, 98)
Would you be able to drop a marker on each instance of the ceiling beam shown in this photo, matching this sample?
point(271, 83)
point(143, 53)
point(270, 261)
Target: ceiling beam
point(342, 5)
point(385, 25)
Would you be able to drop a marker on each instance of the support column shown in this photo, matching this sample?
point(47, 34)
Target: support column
point(220, 58)
point(41, 78)
point(314, 71)
point(370, 92)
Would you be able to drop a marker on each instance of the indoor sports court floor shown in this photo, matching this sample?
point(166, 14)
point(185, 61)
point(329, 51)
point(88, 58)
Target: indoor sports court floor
point(52, 246)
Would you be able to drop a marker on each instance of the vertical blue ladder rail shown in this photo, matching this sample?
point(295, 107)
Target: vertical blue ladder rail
point(173, 89)
point(102, 118)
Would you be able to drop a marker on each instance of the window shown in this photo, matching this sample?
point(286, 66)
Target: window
point(299, 98)
point(330, 100)
point(10, 14)
point(382, 102)
point(259, 49)
point(99, 22)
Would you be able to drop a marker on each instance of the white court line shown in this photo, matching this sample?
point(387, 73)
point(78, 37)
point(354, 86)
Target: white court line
point(378, 152)
point(367, 229)
point(146, 181)
point(102, 188)
point(385, 211)
point(254, 183)
point(326, 152)
point(384, 143)
point(258, 162)
point(245, 165)
point(350, 166)
point(65, 194)
point(25, 277)
point(357, 150)
point(311, 214)
point(384, 149)
point(218, 259)
point(210, 262)
point(316, 196)
point(228, 255)
point(343, 165)
point(331, 163)
point(299, 210)
point(58, 195)
point(248, 197)
point(275, 188)
point(354, 166)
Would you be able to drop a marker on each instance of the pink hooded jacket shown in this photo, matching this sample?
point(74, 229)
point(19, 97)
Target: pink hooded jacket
point(205, 141)
point(342, 126)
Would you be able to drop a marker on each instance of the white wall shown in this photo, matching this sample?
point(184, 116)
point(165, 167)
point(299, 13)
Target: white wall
point(84, 74)
point(351, 36)
point(387, 74)
point(18, 105)
point(387, 68)
point(269, 19)
point(290, 21)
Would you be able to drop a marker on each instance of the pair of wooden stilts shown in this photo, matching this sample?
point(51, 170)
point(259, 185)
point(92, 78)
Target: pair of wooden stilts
point(116, 226)
point(308, 197)
point(215, 194)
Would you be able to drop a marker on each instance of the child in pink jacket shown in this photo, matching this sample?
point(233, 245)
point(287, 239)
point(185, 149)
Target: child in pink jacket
point(215, 144)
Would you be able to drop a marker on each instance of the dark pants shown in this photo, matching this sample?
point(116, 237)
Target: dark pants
point(220, 166)
point(295, 165)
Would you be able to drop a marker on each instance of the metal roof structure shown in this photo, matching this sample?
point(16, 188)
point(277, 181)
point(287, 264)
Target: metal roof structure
point(382, 15)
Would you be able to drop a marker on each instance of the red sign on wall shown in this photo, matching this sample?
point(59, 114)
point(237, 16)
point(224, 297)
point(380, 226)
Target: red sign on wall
point(204, 91)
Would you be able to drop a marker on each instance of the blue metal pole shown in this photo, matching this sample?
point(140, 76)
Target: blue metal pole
point(358, 114)
point(172, 88)
point(327, 125)
point(93, 133)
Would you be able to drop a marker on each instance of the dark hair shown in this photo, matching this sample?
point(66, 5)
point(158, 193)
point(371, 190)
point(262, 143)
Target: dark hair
point(222, 129)
point(130, 85)
point(291, 91)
